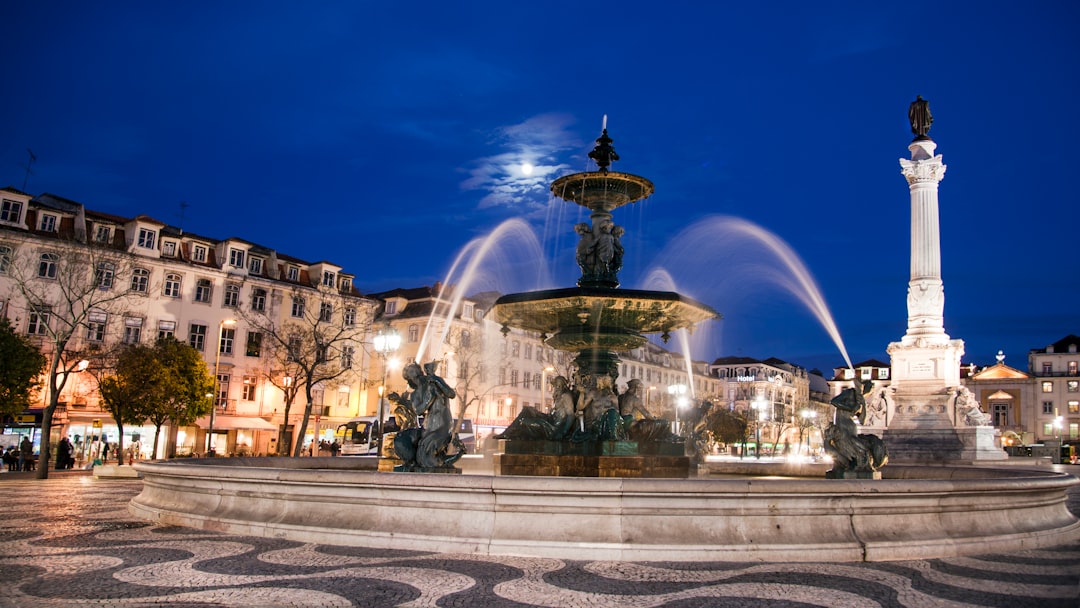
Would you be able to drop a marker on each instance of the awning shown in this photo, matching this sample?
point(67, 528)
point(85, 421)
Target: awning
point(232, 423)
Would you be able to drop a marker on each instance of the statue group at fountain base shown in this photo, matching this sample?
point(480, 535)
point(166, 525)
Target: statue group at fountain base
point(593, 412)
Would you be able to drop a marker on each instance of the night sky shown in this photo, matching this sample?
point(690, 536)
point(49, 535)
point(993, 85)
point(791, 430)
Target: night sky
point(385, 136)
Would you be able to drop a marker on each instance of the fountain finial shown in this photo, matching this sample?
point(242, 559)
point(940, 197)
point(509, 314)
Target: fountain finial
point(603, 153)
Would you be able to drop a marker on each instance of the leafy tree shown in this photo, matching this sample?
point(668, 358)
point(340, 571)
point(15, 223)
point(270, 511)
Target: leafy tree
point(20, 365)
point(727, 426)
point(312, 344)
point(61, 287)
point(130, 392)
point(182, 382)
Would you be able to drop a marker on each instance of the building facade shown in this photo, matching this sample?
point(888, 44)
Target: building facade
point(221, 296)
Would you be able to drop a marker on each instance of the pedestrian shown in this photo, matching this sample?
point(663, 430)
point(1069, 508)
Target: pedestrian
point(63, 453)
point(11, 458)
point(26, 454)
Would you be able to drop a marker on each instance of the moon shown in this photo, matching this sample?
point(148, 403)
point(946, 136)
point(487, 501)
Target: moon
point(526, 168)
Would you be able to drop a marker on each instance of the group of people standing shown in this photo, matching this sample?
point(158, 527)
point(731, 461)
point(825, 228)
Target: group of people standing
point(20, 458)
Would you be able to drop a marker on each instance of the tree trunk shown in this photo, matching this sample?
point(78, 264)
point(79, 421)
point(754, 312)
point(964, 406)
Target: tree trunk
point(46, 432)
point(303, 426)
point(120, 443)
point(157, 435)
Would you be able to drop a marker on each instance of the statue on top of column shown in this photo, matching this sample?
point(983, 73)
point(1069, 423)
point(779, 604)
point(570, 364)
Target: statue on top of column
point(920, 117)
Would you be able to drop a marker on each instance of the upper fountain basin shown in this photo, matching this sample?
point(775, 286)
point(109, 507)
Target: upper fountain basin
point(602, 190)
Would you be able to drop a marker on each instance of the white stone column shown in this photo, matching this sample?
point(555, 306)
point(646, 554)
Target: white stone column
point(926, 292)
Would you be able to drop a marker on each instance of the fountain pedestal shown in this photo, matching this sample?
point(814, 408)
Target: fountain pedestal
point(593, 459)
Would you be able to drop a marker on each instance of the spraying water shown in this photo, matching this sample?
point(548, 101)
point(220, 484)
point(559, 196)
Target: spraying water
point(715, 237)
point(509, 257)
point(661, 279)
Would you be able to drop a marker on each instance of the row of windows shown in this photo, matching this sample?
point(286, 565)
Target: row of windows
point(105, 275)
point(1072, 367)
point(1049, 409)
point(97, 322)
point(1072, 386)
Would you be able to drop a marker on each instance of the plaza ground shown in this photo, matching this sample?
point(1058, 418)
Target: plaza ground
point(70, 541)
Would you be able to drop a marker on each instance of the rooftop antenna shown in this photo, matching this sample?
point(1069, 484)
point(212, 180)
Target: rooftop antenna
point(29, 163)
point(183, 207)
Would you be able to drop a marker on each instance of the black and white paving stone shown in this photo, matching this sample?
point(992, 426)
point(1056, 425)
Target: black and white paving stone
point(70, 541)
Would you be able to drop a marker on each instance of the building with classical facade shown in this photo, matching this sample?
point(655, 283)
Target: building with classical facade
point(221, 296)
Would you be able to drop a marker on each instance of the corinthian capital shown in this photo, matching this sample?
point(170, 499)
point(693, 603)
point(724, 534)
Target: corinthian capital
point(928, 170)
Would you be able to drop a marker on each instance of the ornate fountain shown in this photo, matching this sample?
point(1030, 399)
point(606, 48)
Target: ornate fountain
point(596, 320)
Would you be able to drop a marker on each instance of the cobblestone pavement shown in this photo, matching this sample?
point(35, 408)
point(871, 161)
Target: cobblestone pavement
point(70, 541)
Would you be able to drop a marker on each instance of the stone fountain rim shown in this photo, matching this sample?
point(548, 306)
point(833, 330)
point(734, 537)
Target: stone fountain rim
point(779, 520)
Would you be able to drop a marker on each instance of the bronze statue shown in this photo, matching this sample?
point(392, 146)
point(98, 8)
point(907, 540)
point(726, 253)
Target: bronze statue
point(532, 424)
point(920, 117)
point(600, 251)
point(425, 449)
point(850, 451)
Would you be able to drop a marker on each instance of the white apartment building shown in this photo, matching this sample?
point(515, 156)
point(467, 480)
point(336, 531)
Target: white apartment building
point(201, 290)
point(1056, 372)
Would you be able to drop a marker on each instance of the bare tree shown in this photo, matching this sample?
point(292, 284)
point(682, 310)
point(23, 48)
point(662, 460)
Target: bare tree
point(305, 336)
point(65, 283)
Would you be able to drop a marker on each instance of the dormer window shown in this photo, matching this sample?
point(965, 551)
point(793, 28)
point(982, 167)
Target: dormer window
point(849, 373)
point(48, 223)
point(391, 307)
point(255, 265)
point(346, 284)
point(198, 253)
point(147, 238)
point(327, 278)
point(293, 273)
point(10, 211)
point(866, 373)
point(103, 234)
point(168, 248)
point(236, 258)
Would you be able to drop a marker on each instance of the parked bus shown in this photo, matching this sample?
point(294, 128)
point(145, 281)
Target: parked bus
point(359, 436)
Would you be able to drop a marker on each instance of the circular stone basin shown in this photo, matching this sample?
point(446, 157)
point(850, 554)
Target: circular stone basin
point(616, 316)
point(916, 513)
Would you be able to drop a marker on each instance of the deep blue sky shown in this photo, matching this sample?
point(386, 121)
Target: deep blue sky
point(383, 136)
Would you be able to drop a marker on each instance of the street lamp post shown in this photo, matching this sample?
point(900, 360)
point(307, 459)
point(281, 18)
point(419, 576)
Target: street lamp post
point(808, 417)
point(543, 388)
point(387, 341)
point(759, 406)
point(678, 393)
point(217, 383)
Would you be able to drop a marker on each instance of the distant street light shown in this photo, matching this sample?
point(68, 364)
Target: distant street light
point(678, 393)
point(543, 387)
point(759, 406)
point(387, 341)
point(217, 382)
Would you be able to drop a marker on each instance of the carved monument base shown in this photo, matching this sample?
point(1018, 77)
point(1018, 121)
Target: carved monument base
point(944, 445)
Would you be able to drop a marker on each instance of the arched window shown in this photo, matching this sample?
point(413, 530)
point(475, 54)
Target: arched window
point(172, 285)
point(47, 265)
point(140, 280)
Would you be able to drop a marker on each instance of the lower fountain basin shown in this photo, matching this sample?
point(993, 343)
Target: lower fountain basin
point(917, 513)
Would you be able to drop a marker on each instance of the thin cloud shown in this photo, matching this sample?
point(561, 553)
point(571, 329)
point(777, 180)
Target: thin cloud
point(519, 176)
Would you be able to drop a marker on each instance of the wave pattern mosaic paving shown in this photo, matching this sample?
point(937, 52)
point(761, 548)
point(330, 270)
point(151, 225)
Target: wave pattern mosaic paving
point(69, 541)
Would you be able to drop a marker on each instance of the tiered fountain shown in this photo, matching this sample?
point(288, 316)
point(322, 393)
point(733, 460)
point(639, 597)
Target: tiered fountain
point(914, 512)
point(597, 320)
